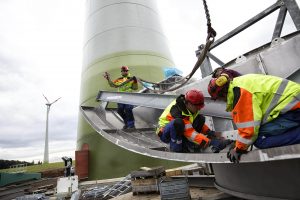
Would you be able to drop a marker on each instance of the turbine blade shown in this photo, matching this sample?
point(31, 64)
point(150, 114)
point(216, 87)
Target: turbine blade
point(46, 98)
point(56, 100)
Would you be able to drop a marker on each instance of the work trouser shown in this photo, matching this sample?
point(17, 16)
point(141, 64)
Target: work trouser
point(284, 130)
point(125, 111)
point(170, 134)
point(173, 133)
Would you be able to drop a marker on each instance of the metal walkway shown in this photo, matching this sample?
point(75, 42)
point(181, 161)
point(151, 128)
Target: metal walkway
point(146, 142)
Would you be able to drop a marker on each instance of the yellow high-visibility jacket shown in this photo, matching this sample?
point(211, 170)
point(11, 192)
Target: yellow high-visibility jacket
point(128, 87)
point(195, 127)
point(256, 99)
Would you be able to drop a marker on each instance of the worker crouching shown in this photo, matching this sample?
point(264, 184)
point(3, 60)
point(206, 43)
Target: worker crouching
point(184, 127)
point(264, 108)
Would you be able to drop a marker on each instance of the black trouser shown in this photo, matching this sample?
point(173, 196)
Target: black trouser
point(125, 111)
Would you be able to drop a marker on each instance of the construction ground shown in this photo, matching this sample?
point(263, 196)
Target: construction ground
point(143, 184)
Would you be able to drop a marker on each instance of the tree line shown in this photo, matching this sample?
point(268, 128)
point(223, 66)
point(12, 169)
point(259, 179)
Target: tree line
point(5, 164)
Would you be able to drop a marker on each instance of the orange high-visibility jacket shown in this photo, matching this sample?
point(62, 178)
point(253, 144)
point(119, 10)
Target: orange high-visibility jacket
point(256, 99)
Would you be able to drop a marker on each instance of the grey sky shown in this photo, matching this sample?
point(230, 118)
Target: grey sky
point(185, 26)
point(41, 52)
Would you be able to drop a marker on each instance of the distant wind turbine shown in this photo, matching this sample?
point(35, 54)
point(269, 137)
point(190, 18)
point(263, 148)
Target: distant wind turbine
point(46, 151)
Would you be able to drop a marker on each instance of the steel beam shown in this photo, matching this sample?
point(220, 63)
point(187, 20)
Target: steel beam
point(279, 22)
point(245, 25)
point(161, 101)
point(294, 11)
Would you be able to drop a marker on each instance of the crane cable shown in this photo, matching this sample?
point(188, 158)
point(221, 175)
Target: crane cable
point(211, 34)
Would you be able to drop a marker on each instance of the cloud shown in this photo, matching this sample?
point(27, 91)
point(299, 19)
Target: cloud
point(185, 27)
point(40, 52)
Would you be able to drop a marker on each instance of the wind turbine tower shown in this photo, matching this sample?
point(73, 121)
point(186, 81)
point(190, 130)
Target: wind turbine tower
point(117, 33)
point(46, 150)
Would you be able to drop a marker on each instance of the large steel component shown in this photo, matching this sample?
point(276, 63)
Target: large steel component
point(278, 179)
point(262, 174)
point(144, 141)
point(147, 143)
point(117, 33)
point(274, 179)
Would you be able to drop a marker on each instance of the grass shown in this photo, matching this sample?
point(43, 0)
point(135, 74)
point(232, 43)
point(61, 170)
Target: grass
point(40, 168)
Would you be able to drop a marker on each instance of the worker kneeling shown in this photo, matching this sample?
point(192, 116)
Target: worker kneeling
point(184, 127)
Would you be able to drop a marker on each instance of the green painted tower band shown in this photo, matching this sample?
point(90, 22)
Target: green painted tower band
point(118, 32)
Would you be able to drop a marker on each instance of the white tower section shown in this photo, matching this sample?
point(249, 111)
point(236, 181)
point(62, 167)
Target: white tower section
point(117, 33)
point(46, 150)
point(114, 26)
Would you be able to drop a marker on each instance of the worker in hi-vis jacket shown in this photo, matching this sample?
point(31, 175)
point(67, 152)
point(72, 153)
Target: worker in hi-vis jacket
point(124, 84)
point(264, 108)
point(184, 127)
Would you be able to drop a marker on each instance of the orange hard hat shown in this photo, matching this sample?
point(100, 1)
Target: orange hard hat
point(217, 87)
point(124, 68)
point(195, 97)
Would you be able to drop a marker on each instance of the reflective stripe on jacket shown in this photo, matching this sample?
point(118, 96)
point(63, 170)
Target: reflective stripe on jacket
point(191, 133)
point(256, 99)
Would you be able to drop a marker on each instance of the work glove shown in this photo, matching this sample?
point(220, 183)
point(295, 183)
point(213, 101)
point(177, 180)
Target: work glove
point(134, 79)
point(218, 144)
point(213, 134)
point(106, 75)
point(234, 154)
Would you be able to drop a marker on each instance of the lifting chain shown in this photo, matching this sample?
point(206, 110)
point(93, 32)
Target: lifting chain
point(211, 34)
